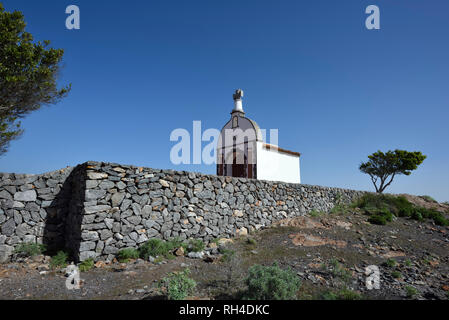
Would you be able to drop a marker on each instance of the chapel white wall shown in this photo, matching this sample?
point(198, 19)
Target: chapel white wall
point(276, 166)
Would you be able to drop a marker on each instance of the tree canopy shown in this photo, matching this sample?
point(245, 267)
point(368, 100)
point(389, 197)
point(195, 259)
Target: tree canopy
point(383, 167)
point(28, 74)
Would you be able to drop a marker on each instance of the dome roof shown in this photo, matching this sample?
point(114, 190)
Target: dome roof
point(244, 124)
point(259, 136)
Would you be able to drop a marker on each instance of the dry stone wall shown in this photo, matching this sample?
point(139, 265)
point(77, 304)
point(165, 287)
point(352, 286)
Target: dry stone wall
point(105, 207)
point(33, 208)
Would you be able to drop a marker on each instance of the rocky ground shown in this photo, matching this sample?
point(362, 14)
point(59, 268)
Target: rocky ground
point(328, 252)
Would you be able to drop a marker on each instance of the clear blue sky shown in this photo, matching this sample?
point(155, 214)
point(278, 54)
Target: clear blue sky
point(336, 91)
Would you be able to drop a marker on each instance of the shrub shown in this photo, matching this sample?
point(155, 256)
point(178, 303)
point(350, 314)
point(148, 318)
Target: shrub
point(381, 209)
point(59, 260)
point(375, 203)
point(408, 263)
point(347, 294)
point(153, 248)
point(341, 209)
point(377, 219)
point(177, 243)
point(391, 263)
point(231, 269)
point(196, 245)
point(227, 254)
point(178, 284)
point(416, 216)
point(315, 213)
point(158, 260)
point(328, 295)
point(30, 249)
point(271, 283)
point(86, 265)
point(338, 270)
point(440, 220)
point(158, 247)
point(411, 291)
point(125, 255)
point(251, 241)
point(432, 214)
point(384, 215)
point(396, 274)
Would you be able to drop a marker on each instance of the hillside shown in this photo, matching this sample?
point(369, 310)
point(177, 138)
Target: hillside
point(328, 252)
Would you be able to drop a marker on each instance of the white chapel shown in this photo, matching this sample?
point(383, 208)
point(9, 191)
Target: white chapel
point(242, 151)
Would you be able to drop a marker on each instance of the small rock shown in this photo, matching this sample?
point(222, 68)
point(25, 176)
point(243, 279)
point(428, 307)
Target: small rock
point(5, 252)
point(164, 183)
point(100, 264)
point(242, 232)
point(96, 175)
point(196, 255)
point(25, 196)
point(179, 252)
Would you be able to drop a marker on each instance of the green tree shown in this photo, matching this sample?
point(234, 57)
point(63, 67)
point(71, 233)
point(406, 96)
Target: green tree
point(384, 167)
point(28, 73)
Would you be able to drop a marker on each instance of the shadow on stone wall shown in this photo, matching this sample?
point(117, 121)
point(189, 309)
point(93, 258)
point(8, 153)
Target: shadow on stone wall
point(62, 229)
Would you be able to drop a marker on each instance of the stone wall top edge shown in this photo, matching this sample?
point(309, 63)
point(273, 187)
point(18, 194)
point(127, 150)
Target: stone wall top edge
point(2, 174)
point(199, 174)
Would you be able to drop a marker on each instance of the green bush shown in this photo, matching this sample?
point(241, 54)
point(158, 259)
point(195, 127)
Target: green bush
point(127, 254)
point(347, 294)
point(153, 248)
point(315, 213)
point(228, 254)
point(178, 284)
point(337, 270)
point(416, 215)
point(341, 209)
point(377, 219)
point(411, 292)
point(157, 247)
point(381, 209)
point(396, 274)
point(30, 249)
point(438, 218)
point(251, 241)
point(271, 283)
point(59, 260)
point(86, 265)
point(391, 263)
point(375, 203)
point(196, 245)
point(328, 295)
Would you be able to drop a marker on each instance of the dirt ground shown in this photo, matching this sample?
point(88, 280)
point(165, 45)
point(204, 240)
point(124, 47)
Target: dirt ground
point(329, 253)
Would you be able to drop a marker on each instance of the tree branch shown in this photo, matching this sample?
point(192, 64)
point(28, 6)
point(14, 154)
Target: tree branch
point(391, 180)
